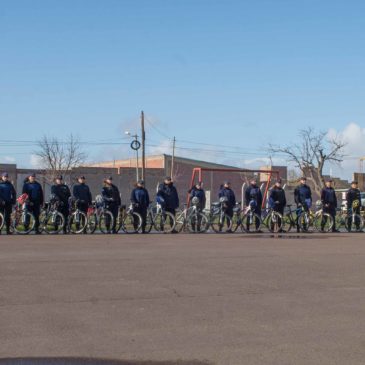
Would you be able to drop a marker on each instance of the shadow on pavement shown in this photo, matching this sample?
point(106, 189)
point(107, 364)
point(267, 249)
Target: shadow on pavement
point(91, 361)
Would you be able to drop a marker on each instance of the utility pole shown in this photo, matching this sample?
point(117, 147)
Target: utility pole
point(143, 146)
point(173, 157)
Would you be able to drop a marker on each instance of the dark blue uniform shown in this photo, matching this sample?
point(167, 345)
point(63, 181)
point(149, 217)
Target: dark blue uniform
point(169, 193)
point(277, 199)
point(7, 200)
point(253, 193)
point(82, 193)
point(112, 200)
point(229, 194)
point(36, 200)
point(141, 200)
point(303, 199)
point(200, 194)
point(329, 201)
point(352, 196)
point(63, 194)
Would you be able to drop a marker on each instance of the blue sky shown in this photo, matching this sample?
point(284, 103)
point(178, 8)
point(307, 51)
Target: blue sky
point(240, 73)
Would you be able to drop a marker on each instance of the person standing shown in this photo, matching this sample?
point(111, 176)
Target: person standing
point(62, 192)
point(197, 191)
point(112, 199)
point(168, 193)
point(253, 196)
point(7, 200)
point(277, 199)
point(34, 191)
point(81, 192)
point(141, 201)
point(302, 197)
point(329, 202)
point(353, 199)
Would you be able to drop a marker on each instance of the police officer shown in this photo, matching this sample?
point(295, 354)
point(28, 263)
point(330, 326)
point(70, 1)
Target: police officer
point(197, 191)
point(353, 199)
point(168, 193)
point(253, 193)
point(302, 197)
point(7, 199)
point(36, 199)
point(112, 199)
point(141, 201)
point(228, 193)
point(62, 192)
point(277, 199)
point(81, 192)
point(329, 202)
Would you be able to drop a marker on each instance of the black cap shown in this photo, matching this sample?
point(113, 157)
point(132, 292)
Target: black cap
point(59, 177)
point(140, 182)
point(279, 181)
point(32, 174)
point(329, 180)
point(227, 182)
point(168, 178)
point(81, 177)
point(354, 182)
point(5, 174)
point(109, 178)
point(303, 178)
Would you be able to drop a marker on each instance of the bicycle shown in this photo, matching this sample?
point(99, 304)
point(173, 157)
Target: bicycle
point(288, 219)
point(51, 220)
point(99, 216)
point(272, 220)
point(192, 218)
point(77, 222)
point(2, 221)
point(218, 218)
point(319, 221)
point(128, 220)
point(160, 219)
point(251, 221)
point(352, 221)
point(22, 221)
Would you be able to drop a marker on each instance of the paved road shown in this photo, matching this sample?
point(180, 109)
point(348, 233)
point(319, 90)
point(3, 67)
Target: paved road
point(216, 299)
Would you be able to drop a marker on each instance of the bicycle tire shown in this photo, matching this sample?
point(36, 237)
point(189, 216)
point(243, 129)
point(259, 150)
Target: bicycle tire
point(92, 223)
point(198, 223)
point(55, 220)
point(149, 223)
point(180, 222)
point(275, 222)
point(355, 217)
point(19, 219)
point(249, 223)
point(74, 225)
point(305, 221)
point(128, 225)
point(218, 224)
point(161, 223)
point(236, 221)
point(106, 221)
point(318, 220)
point(2, 221)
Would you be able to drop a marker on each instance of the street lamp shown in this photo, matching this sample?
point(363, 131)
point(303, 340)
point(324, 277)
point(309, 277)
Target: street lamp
point(135, 145)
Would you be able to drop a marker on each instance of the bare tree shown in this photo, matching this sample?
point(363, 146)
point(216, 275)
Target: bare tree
point(60, 157)
point(312, 153)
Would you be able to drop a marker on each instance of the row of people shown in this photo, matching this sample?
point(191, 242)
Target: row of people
point(167, 193)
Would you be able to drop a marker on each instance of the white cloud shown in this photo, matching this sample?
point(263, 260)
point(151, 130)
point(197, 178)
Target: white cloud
point(8, 159)
point(35, 161)
point(354, 136)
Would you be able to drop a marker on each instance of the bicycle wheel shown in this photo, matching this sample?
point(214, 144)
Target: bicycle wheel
point(77, 222)
point(198, 223)
point(305, 222)
point(236, 221)
point(132, 223)
point(251, 223)
point(53, 222)
point(180, 221)
point(221, 223)
point(106, 222)
point(2, 221)
point(164, 222)
point(323, 222)
point(354, 223)
point(275, 222)
point(23, 222)
point(92, 223)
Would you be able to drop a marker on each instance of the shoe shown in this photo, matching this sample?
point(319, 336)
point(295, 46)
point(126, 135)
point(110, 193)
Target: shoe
point(336, 231)
point(259, 231)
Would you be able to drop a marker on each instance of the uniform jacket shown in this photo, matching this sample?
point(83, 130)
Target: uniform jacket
point(253, 192)
point(141, 197)
point(170, 195)
point(82, 192)
point(277, 195)
point(62, 192)
point(229, 194)
point(34, 191)
point(353, 194)
point(7, 192)
point(328, 197)
point(111, 194)
point(200, 194)
point(302, 194)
